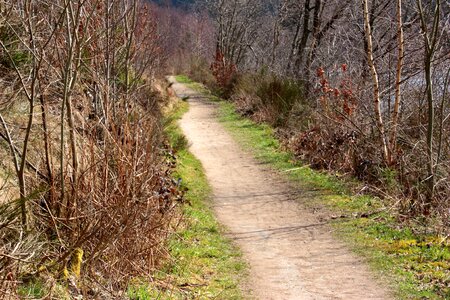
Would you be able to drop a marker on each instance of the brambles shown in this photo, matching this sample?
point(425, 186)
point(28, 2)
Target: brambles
point(86, 194)
point(223, 71)
point(341, 98)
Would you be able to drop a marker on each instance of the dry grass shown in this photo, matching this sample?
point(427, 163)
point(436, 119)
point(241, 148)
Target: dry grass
point(100, 208)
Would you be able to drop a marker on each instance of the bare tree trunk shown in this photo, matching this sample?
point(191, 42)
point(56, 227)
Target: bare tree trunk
point(293, 48)
point(375, 81)
point(47, 149)
point(70, 74)
point(129, 26)
point(430, 129)
point(398, 80)
point(430, 39)
point(305, 36)
point(276, 41)
point(312, 47)
point(442, 120)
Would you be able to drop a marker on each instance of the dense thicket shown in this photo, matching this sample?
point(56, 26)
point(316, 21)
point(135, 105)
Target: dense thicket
point(359, 87)
point(84, 176)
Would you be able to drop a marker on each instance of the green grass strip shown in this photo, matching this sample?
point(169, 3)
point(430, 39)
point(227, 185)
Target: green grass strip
point(203, 263)
point(416, 265)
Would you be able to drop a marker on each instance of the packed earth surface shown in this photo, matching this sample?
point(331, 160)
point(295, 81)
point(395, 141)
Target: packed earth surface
point(291, 252)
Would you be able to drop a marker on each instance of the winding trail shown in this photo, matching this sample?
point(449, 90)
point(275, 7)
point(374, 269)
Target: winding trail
point(291, 254)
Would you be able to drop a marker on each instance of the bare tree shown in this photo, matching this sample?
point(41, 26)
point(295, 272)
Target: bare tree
point(375, 82)
point(398, 82)
point(237, 27)
point(431, 39)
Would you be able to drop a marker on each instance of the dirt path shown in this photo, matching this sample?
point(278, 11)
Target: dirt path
point(291, 254)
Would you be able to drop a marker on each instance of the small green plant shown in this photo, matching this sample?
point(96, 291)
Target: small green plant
point(389, 178)
point(142, 291)
point(33, 290)
point(17, 57)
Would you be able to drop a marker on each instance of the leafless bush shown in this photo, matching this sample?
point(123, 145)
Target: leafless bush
point(80, 126)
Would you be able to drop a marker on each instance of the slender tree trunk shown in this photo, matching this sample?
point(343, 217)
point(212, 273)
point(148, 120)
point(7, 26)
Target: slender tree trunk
point(70, 73)
point(293, 48)
point(442, 120)
point(375, 81)
point(398, 80)
point(430, 129)
point(304, 39)
point(66, 92)
point(21, 174)
point(276, 41)
point(430, 39)
point(47, 149)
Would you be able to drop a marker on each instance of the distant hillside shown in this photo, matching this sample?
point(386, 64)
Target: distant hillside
point(178, 3)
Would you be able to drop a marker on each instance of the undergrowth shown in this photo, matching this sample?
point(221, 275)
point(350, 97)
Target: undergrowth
point(415, 263)
point(197, 87)
point(203, 264)
point(86, 194)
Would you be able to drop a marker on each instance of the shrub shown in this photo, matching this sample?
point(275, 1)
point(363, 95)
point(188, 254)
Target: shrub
point(199, 71)
point(267, 98)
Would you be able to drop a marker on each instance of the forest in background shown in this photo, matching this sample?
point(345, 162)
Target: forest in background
point(360, 88)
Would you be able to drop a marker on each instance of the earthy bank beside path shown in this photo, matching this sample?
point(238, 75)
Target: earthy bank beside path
point(291, 254)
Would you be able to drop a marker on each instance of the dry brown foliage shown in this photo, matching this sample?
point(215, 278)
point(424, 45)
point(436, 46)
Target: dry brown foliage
point(79, 113)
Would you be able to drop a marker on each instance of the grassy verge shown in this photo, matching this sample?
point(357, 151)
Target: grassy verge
point(203, 264)
point(416, 265)
point(197, 87)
